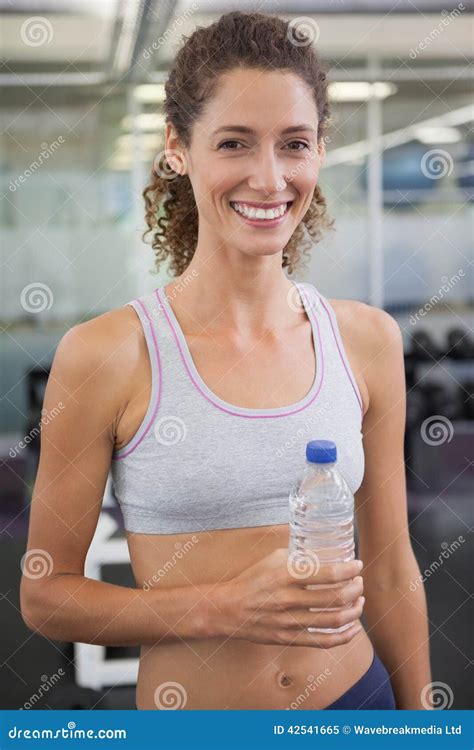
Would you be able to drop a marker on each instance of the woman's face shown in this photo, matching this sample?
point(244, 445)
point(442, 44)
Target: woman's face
point(240, 158)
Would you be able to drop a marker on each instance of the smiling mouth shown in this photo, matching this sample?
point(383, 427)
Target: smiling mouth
point(260, 214)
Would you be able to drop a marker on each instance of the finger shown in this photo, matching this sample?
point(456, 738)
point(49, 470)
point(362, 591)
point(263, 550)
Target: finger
point(323, 640)
point(337, 572)
point(329, 597)
point(327, 618)
point(311, 571)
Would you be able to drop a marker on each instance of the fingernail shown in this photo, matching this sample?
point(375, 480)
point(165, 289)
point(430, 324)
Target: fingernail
point(362, 599)
point(360, 564)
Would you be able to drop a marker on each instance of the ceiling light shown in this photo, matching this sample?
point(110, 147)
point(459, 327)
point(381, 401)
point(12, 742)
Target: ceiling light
point(150, 93)
point(152, 121)
point(437, 135)
point(359, 91)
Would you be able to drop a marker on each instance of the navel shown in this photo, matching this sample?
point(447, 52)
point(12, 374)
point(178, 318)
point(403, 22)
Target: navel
point(284, 680)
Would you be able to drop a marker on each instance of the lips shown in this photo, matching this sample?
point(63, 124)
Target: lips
point(264, 212)
point(263, 204)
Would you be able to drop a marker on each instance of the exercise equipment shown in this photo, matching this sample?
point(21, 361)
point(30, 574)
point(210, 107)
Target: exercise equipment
point(423, 347)
point(460, 344)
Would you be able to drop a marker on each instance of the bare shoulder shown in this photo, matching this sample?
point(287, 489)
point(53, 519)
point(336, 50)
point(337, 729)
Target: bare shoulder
point(107, 337)
point(370, 326)
point(99, 357)
point(372, 339)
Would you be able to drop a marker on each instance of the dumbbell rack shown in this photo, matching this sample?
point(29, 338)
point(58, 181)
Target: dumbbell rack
point(439, 458)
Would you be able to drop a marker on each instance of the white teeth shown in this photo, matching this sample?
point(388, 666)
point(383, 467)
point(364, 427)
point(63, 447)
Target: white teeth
point(260, 213)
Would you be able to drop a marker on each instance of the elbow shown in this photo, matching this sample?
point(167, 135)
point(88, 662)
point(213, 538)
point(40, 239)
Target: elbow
point(35, 608)
point(401, 573)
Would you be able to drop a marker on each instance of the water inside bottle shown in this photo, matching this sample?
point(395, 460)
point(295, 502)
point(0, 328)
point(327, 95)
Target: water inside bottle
point(327, 531)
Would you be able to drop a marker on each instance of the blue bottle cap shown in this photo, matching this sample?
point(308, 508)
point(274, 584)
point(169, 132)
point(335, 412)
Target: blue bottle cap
point(321, 451)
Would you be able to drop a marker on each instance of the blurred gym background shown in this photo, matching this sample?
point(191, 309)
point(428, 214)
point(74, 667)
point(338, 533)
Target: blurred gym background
point(80, 122)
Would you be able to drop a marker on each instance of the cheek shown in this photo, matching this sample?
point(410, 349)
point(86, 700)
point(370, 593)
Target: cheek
point(217, 181)
point(305, 182)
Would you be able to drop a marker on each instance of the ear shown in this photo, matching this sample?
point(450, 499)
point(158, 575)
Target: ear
point(171, 138)
point(173, 147)
point(322, 150)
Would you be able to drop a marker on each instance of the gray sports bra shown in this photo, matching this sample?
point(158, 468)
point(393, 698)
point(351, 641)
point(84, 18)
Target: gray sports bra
point(198, 463)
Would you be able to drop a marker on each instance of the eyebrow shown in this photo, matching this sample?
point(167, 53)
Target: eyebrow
point(245, 129)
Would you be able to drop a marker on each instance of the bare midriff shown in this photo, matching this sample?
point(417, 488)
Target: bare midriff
point(231, 672)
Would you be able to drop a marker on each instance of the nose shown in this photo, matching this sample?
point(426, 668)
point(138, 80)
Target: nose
point(268, 174)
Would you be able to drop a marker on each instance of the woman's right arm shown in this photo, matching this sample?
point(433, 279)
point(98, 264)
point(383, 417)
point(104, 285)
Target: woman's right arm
point(84, 400)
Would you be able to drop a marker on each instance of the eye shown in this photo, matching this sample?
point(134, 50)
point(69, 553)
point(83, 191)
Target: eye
point(224, 145)
point(229, 149)
point(301, 143)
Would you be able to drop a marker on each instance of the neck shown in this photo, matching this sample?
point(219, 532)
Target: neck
point(244, 302)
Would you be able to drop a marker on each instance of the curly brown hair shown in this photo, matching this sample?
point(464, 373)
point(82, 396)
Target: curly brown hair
point(235, 40)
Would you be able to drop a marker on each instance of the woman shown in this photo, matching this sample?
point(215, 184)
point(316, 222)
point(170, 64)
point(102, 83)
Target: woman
point(201, 397)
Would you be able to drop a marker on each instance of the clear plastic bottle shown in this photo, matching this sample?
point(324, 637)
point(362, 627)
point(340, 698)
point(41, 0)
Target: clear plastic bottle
point(321, 519)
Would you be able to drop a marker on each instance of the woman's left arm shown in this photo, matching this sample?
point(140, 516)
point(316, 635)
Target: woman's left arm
point(395, 611)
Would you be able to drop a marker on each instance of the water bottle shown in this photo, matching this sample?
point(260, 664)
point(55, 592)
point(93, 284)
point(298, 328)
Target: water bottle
point(321, 519)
